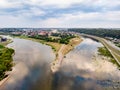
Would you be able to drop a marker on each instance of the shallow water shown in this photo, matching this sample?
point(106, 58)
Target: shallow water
point(78, 70)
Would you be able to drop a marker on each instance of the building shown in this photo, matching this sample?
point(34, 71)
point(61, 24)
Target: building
point(43, 33)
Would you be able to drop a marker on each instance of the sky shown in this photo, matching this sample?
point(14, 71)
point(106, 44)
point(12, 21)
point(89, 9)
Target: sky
point(60, 13)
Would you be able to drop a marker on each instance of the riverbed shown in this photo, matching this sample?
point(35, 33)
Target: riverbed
point(81, 69)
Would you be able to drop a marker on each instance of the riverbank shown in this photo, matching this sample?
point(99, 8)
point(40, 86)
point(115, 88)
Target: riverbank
point(6, 42)
point(55, 46)
point(114, 51)
point(106, 70)
point(104, 52)
point(6, 60)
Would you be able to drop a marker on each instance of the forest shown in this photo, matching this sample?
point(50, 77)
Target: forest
point(114, 33)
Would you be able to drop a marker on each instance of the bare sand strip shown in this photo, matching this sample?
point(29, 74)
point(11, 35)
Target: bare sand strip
point(55, 65)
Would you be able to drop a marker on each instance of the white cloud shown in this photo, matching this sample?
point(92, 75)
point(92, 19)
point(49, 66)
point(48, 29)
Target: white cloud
point(68, 3)
point(60, 3)
point(37, 11)
point(109, 16)
point(31, 12)
point(107, 19)
point(10, 4)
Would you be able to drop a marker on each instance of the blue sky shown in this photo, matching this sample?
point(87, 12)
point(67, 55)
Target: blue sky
point(60, 13)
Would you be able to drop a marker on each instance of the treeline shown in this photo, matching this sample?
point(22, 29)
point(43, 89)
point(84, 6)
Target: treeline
point(7, 31)
point(5, 60)
point(63, 39)
point(99, 32)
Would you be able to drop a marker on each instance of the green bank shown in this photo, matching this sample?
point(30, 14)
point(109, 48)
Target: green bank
point(6, 60)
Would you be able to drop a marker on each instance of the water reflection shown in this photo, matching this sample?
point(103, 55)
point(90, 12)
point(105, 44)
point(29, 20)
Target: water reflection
point(76, 68)
point(79, 71)
point(32, 64)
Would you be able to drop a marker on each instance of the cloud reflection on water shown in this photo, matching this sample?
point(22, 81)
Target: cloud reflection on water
point(32, 64)
point(78, 70)
point(80, 66)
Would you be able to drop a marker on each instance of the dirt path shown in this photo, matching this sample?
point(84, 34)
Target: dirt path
point(56, 64)
point(60, 54)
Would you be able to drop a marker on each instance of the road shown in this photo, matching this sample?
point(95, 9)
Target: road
point(114, 51)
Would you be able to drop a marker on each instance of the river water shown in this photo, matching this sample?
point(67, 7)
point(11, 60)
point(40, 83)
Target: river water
point(78, 70)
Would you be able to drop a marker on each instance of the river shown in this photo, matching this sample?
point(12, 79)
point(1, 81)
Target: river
point(79, 71)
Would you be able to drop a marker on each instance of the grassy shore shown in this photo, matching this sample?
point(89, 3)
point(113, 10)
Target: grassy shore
point(104, 51)
point(114, 52)
point(5, 60)
point(54, 46)
point(73, 42)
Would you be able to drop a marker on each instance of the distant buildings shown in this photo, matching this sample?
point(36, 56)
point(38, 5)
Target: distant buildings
point(34, 32)
point(54, 31)
point(43, 33)
point(17, 33)
point(114, 40)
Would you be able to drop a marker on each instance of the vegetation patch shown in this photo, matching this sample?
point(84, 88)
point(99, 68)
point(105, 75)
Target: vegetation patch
point(5, 60)
point(99, 32)
point(57, 38)
point(72, 43)
point(103, 51)
point(1, 46)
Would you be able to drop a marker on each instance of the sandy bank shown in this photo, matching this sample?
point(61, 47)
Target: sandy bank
point(62, 52)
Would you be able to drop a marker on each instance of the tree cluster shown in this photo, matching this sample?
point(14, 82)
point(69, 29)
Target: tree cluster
point(63, 38)
point(99, 32)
